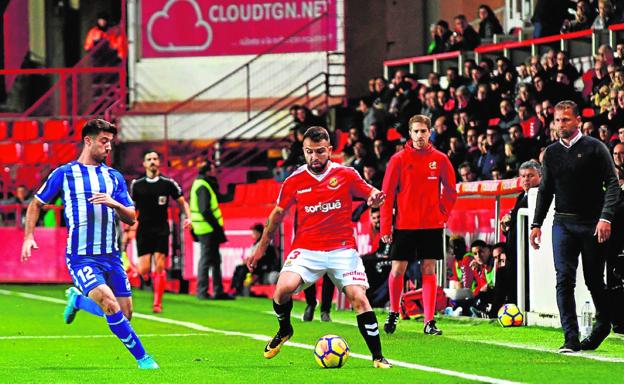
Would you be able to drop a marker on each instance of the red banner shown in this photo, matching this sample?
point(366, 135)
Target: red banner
point(173, 28)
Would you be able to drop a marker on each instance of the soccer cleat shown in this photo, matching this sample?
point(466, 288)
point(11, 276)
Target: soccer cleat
point(431, 329)
point(157, 308)
point(391, 322)
point(147, 362)
point(308, 313)
point(274, 346)
point(570, 347)
point(382, 363)
point(70, 309)
point(325, 317)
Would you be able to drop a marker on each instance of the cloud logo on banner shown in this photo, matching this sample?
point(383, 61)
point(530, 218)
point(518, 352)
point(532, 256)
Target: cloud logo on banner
point(190, 33)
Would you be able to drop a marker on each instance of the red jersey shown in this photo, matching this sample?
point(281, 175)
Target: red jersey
point(422, 182)
point(323, 217)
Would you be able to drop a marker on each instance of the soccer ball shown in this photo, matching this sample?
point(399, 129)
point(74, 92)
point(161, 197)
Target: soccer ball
point(509, 315)
point(331, 351)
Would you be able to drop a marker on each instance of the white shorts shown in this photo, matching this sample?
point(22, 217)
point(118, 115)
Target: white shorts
point(343, 266)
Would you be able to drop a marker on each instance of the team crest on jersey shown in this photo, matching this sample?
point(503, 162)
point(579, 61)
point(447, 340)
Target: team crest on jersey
point(162, 200)
point(333, 183)
point(433, 165)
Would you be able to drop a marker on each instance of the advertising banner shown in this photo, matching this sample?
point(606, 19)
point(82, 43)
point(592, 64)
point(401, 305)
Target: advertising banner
point(176, 28)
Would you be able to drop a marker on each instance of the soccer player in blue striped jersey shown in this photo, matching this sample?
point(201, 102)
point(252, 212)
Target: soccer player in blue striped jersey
point(93, 195)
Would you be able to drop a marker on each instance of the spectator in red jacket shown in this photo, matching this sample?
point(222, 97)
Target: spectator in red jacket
point(421, 180)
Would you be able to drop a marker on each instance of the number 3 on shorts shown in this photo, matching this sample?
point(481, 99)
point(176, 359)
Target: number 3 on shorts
point(293, 255)
point(86, 275)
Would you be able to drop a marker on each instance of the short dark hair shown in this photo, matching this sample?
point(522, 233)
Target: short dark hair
point(148, 151)
point(206, 167)
point(258, 227)
point(567, 104)
point(478, 243)
point(316, 134)
point(95, 126)
point(422, 119)
point(501, 245)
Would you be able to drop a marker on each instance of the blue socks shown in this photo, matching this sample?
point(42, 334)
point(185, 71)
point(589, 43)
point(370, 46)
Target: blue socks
point(87, 304)
point(121, 327)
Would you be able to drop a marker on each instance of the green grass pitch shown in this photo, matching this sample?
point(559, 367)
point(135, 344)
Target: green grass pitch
point(222, 342)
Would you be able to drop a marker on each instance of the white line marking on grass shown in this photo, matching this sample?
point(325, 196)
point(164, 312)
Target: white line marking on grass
point(547, 350)
point(24, 337)
point(264, 338)
point(584, 355)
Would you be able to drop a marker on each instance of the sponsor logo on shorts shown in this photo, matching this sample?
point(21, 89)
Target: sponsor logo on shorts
point(306, 190)
point(355, 275)
point(323, 207)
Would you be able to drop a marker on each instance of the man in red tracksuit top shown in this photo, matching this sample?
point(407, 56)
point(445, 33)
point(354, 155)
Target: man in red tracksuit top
point(421, 181)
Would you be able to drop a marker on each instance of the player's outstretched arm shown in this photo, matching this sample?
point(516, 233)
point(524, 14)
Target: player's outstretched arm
point(376, 198)
point(275, 218)
point(32, 215)
point(126, 214)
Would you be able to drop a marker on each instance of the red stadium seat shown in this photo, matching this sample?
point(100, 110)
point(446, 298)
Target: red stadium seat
point(29, 176)
point(61, 153)
point(393, 135)
point(54, 130)
point(341, 139)
point(4, 130)
point(78, 129)
point(25, 130)
point(34, 153)
point(9, 153)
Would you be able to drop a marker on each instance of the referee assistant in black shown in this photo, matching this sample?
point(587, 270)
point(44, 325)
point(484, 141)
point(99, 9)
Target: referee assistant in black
point(579, 171)
point(151, 196)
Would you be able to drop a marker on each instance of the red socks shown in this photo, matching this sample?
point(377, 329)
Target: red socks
point(428, 295)
point(159, 280)
point(395, 288)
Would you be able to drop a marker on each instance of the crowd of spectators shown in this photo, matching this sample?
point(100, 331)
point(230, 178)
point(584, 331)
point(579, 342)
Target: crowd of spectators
point(550, 17)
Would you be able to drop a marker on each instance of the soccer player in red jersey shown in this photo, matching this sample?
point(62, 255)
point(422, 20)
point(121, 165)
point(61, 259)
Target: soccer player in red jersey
point(322, 192)
point(421, 180)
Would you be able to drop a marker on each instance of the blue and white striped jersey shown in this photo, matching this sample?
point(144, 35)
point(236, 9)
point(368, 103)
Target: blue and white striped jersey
point(91, 227)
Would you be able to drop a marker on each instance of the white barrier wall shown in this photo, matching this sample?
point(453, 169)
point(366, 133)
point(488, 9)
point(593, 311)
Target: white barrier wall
point(542, 279)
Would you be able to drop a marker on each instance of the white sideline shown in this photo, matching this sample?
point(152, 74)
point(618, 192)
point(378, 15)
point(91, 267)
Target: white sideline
point(23, 337)
point(264, 338)
point(583, 355)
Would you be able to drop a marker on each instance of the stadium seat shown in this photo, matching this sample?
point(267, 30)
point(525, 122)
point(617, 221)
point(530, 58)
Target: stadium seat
point(9, 153)
point(61, 153)
point(25, 130)
point(54, 130)
point(29, 176)
point(393, 135)
point(78, 129)
point(34, 153)
point(4, 130)
point(341, 139)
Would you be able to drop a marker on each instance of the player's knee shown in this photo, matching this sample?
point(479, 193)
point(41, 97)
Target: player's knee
point(110, 305)
point(359, 301)
point(128, 314)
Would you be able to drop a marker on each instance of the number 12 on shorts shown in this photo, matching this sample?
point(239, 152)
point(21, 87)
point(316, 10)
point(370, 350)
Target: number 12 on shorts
point(86, 275)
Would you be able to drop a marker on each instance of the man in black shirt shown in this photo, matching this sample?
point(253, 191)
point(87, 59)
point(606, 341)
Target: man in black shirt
point(151, 196)
point(580, 172)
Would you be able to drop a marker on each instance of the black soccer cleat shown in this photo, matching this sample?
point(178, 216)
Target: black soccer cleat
point(274, 346)
point(391, 322)
point(431, 329)
point(308, 313)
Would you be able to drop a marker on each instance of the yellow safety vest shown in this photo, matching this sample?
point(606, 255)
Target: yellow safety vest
point(200, 225)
